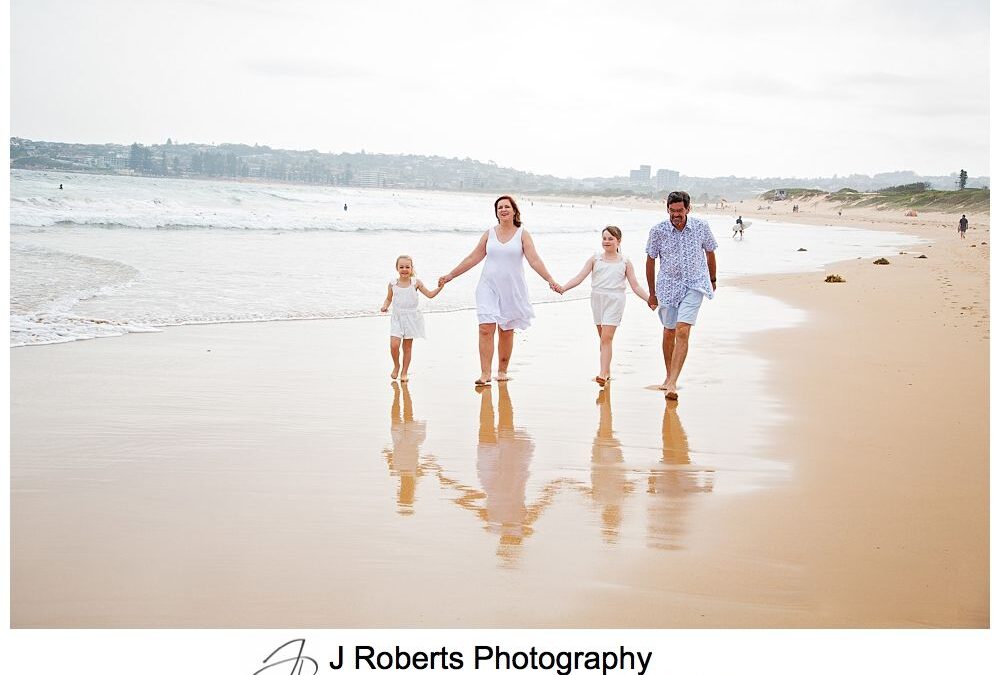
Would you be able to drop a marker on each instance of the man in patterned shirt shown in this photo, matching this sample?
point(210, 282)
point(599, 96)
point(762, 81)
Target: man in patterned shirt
point(686, 250)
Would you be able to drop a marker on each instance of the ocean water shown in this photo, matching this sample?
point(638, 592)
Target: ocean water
point(110, 255)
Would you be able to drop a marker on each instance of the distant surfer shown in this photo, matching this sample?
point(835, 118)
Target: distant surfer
point(963, 225)
point(738, 228)
point(60, 187)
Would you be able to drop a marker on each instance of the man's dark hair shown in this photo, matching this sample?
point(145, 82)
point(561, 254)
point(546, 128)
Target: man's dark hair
point(679, 196)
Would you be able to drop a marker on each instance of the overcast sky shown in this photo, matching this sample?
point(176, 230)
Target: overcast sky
point(572, 88)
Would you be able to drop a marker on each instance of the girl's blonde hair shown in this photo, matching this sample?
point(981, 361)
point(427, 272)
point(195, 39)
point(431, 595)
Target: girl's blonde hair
point(614, 232)
point(413, 268)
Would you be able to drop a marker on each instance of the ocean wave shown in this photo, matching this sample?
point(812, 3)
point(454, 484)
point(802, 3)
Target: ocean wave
point(26, 331)
point(43, 329)
point(287, 227)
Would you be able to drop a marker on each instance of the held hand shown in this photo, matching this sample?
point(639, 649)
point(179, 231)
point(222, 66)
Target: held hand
point(556, 287)
point(443, 280)
point(652, 301)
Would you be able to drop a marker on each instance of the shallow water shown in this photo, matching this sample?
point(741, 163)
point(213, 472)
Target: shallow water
point(111, 255)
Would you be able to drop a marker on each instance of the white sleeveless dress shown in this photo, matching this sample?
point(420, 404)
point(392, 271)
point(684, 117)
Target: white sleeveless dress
point(607, 293)
point(406, 321)
point(502, 293)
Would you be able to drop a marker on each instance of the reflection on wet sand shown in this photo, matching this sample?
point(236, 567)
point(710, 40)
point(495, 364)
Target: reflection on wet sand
point(608, 477)
point(503, 458)
point(404, 456)
point(672, 483)
point(502, 461)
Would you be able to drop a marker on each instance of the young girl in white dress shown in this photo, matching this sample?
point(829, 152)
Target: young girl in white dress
point(406, 321)
point(610, 270)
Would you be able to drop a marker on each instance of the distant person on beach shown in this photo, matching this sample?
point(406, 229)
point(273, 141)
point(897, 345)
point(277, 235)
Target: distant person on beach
point(685, 248)
point(406, 321)
point(502, 294)
point(60, 186)
point(739, 227)
point(610, 270)
point(345, 207)
point(963, 225)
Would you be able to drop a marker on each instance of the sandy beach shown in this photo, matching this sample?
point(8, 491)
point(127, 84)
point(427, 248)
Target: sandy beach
point(830, 474)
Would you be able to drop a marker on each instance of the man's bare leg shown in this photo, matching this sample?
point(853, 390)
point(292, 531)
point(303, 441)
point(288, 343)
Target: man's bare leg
point(679, 355)
point(668, 353)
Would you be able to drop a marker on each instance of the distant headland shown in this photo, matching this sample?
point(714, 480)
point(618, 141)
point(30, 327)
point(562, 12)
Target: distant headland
point(376, 170)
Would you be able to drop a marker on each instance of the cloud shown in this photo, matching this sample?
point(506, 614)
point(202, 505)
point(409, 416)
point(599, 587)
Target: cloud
point(884, 80)
point(308, 69)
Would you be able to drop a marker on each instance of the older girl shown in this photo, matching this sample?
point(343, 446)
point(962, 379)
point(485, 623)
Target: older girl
point(610, 270)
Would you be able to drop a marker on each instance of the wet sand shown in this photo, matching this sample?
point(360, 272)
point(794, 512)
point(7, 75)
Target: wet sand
point(830, 474)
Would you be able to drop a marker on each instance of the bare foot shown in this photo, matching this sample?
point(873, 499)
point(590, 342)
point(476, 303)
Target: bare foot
point(394, 373)
point(672, 395)
point(502, 376)
point(665, 385)
point(404, 377)
point(484, 380)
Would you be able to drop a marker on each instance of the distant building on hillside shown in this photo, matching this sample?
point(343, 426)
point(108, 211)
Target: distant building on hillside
point(667, 179)
point(639, 178)
point(369, 179)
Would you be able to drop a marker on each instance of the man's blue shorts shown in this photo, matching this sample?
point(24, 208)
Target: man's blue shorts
point(687, 312)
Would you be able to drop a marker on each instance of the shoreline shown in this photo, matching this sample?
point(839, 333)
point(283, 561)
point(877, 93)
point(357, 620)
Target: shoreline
point(905, 401)
point(878, 518)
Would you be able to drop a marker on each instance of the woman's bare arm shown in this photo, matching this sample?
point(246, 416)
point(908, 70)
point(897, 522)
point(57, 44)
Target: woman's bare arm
point(470, 261)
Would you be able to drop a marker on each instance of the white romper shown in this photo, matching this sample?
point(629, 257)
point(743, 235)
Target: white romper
point(406, 320)
point(502, 293)
point(607, 294)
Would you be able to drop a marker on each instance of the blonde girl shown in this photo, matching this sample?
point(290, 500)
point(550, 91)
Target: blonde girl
point(610, 270)
point(406, 321)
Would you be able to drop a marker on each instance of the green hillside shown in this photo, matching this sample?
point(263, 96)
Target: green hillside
point(915, 196)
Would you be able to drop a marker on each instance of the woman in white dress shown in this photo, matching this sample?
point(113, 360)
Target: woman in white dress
point(502, 294)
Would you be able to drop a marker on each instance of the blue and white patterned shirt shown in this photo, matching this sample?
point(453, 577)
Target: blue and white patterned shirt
point(683, 266)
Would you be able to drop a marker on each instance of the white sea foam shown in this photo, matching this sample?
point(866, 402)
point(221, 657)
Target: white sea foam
point(109, 255)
